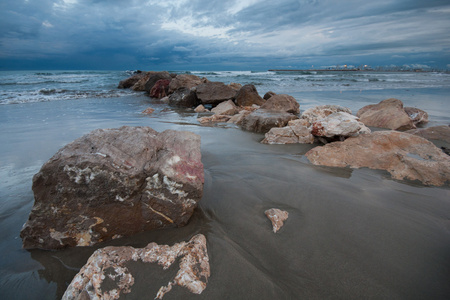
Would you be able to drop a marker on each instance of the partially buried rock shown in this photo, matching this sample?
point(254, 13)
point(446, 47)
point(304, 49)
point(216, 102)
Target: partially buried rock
point(115, 182)
point(404, 155)
point(108, 274)
point(148, 111)
point(277, 217)
point(388, 113)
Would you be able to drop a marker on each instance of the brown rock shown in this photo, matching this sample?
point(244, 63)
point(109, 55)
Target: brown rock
point(438, 133)
point(214, 93)
point(160, 89)
point(186, 81)
point(200, 109)
point(107, 274)
point(248, 95)
point(130, 81)
point(148, 111)
point(115, 182)
point(214, 119)
point(225, 108)
point(417, 116)
point(282, 103)
point(237, 118)
point(388, 113)
point(262, 120)
point(401, 154)
point(268, 95)
point(277, 217)
point(235, 86)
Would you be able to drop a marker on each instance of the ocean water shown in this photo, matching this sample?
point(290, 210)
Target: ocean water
point(351, 234)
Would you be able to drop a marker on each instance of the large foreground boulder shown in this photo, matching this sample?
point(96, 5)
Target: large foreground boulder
point(214, 93)
point(112, 183)
point(401, 154)
point(110, 272)
point(389, 113)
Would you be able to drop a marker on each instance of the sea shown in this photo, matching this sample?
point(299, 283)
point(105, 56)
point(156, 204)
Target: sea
point(351, 233)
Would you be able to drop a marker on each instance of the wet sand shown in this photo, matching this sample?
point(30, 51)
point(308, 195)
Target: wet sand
point(351, 234)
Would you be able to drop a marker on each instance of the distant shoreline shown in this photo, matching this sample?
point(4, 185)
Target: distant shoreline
point(347, 70)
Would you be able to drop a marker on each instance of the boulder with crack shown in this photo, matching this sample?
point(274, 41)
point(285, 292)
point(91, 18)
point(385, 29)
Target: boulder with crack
point(112, 183)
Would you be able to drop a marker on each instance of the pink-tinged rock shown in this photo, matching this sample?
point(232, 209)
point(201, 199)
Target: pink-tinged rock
point(296, 132)
point(160, 89)
point(248, 95)
point(322, 111)
point(214, 119)
point(277, 217)
point(107, 274)
point(388, 113)
point(338, 124)
point(282, 103)
point(225, 108)
point(185, 81)
point(200, 109)
point(237, 118)
point(436, 133)
point(154, 78)
point(148, 111)
point(403, 155)
point(235, 86)
point(418, 116)
point(115, 182)
point(214, 92)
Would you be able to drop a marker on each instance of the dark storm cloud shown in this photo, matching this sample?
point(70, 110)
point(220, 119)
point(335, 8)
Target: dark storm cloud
point(242, 34)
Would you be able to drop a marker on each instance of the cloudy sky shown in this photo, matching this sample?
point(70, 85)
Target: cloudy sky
point(222, 34)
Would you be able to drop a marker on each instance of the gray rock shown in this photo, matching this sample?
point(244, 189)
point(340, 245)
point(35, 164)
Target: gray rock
point(320, 112)
point(262, 120)
point(112, 183)
point(183, 97)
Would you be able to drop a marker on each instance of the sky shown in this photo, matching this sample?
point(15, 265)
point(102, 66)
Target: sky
point(222, 35)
